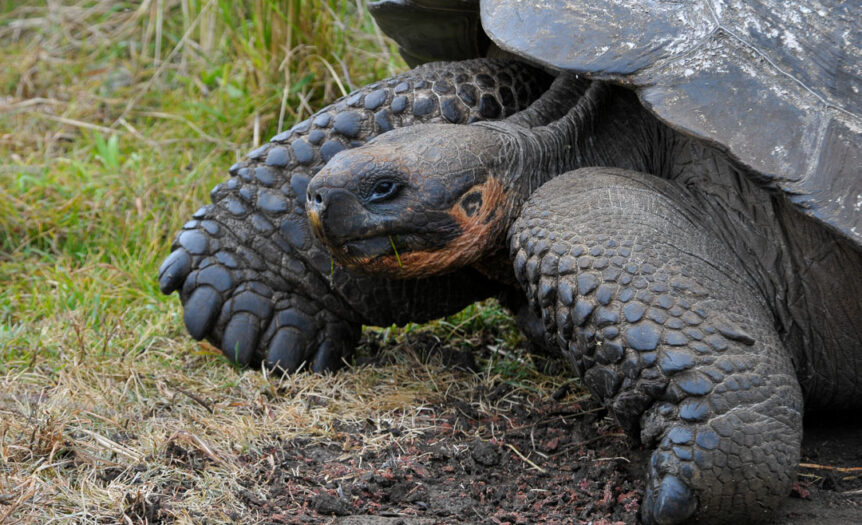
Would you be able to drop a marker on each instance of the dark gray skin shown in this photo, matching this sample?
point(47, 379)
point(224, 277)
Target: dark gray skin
point(701, 307)
point(256, 283)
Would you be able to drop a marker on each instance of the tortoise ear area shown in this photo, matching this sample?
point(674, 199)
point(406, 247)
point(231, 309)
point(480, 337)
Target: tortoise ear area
point(471, 202)
point(481, 204)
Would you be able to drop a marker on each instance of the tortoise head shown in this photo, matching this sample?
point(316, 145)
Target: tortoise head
point(414, 202)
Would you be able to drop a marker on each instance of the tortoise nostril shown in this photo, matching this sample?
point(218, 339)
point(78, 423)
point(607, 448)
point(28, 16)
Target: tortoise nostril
point(314, 197)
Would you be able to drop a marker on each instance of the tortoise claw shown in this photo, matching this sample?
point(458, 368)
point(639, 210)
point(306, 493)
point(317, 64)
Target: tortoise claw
point(669, 503)
point(240, 337)
point(173, 271)
point(298, 334)
point(327, 358)
point(201, 310)
point(287, 350)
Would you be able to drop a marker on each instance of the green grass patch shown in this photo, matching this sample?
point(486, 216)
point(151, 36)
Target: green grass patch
point(119, 118)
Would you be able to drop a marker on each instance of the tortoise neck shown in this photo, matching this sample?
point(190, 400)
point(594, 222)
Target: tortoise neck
point(596, 124)
point(554, 103)
point(561, 145)
point(602, 125)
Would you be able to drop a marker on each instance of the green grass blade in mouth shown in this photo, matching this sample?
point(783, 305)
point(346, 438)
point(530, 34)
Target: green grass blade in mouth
point(394, 249)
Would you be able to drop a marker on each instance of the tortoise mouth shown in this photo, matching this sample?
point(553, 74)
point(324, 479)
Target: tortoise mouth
point(355, 252)
point(365, 249)
point(355, 249)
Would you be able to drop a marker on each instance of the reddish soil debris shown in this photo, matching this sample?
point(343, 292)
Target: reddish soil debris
point(829, 484)
point(546, 459)
point(589, 473)
point(449, 476)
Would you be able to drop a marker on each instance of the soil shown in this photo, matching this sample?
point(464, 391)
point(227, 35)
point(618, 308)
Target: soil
point(824, 493)
point(548, 457)
point(554, 463)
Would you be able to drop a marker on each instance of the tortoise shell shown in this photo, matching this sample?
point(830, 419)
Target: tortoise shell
point(775, 84)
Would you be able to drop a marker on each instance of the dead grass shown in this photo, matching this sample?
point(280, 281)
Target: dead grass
point(116, 118)
point(98, 440)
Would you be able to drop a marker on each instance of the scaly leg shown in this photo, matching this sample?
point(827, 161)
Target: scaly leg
point(659, 320)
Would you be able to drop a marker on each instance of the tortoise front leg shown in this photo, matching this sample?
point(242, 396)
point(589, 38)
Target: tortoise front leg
point(662, 324)
point(253, 279)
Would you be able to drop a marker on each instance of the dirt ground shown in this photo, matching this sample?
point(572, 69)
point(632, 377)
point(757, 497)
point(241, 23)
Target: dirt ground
point(550, 457)
point(828, 495)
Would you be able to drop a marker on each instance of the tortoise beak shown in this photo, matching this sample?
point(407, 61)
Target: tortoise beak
point(335, 214)
point(316, 224)
point(340, 221)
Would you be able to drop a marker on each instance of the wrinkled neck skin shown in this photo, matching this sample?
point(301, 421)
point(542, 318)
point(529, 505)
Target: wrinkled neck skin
point(576, 124)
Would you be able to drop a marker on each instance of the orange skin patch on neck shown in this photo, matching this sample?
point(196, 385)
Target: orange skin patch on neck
point(480, 230)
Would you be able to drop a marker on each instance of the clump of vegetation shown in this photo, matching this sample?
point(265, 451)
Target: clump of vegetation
point(116, 119)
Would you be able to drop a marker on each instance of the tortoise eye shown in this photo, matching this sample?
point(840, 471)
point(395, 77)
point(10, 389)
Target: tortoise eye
point(383, 190)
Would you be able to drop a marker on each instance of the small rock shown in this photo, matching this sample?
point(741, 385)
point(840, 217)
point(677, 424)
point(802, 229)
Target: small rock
point(329, 505)
point(484, 453)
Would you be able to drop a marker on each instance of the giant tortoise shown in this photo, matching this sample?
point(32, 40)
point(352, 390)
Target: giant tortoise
point(689, 238)
point(683, 217)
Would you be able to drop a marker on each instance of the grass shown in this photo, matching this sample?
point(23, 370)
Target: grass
point(116, 118)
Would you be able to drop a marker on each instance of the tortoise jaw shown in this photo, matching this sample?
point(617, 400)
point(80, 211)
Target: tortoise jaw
point(366, 249)
point(353, 253)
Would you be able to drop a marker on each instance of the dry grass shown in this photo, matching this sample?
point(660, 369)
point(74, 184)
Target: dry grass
point(95, 441)
point(115, 120)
